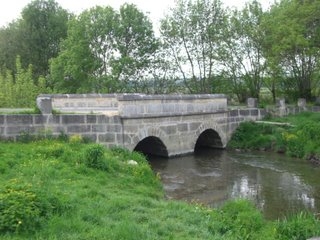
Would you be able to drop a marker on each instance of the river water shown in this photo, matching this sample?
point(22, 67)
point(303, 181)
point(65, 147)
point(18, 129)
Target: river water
point(278, 185)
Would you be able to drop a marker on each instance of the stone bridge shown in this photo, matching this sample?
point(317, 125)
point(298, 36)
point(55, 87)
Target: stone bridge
point(164, 125)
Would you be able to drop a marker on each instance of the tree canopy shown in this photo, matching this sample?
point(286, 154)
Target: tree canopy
point(203, 47)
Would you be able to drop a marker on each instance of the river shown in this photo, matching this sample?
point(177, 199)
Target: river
point(278, 185)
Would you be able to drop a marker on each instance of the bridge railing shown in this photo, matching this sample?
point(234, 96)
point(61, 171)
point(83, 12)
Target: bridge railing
point(140, 105)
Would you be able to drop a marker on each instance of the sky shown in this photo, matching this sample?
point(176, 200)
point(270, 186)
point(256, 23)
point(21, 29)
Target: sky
point(10, 10)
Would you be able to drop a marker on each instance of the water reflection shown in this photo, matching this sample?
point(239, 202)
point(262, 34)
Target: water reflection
point(278, 185)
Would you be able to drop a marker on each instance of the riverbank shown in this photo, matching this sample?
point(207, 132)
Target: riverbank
point(72, 190)
point(294, 135)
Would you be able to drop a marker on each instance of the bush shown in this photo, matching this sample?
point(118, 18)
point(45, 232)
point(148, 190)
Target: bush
point(95, 157)
point(22, 209)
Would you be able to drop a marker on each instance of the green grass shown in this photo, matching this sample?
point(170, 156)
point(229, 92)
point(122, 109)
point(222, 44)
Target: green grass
point(70, 190)
point(300, 140)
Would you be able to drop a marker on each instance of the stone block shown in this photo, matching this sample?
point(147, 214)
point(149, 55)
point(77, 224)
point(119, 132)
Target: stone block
point(114, 128)
point(91, 119)
point(72, 119)
point(302, 102)
point(170, 130)
point(194, 126)
point(234, 113)
point(99, 128)
point(281, 103)
point(108, 137)
point(40, 119)
point(19, 119)
point(254, 112)
point(2, 117)
point(46, 119)
point(17, 130)
point(44, 104)
point(102, 119)
point(78, 129)
point(154, 109)
point(168, 108)
point(182, 127)
point(92, 137)
point(244, 112)
point(252, 102)
point(115, 119)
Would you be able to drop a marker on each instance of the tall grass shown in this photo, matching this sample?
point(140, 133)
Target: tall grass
point(300, 139)
point(70, 190)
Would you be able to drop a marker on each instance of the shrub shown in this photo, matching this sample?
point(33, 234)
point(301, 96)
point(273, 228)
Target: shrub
point(22, 209)
point(95, 157)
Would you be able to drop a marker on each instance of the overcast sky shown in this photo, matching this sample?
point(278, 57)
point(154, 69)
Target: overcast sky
point(11, 9)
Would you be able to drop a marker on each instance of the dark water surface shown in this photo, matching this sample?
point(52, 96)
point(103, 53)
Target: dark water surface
point(278, 185)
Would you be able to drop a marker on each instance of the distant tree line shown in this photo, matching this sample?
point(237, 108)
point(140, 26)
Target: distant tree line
point(203, 47)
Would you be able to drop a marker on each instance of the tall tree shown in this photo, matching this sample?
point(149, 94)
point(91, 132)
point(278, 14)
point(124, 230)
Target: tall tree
point(44, 24)
point(136, 45)
point(10, 45)
point(243, 60)
point(293, 42)
point(84, 61)
point(105, 51)
point(194, 31)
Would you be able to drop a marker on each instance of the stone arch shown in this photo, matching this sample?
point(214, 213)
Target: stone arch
point(149, 141)
point(210, 135)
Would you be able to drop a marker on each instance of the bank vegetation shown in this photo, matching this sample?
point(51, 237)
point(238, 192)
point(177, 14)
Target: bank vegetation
point(68, 189)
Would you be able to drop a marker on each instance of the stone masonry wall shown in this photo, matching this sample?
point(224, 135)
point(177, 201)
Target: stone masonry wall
point(99, 128)
point(236, 116)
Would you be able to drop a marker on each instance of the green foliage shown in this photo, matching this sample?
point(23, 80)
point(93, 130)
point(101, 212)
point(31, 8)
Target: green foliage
point(20, 90)
point(245, 42)
point(298, 227)
point(105, 51)
point(95, 157)
point(194, 34)
point(291, 46)
point(240, 217)
point(60, 197)
point(250, 135)
point(22, 208)
point(300, 140)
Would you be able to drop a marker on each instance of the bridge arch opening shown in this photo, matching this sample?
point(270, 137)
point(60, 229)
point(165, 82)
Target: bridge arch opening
point(152, 146)
point(209, 139)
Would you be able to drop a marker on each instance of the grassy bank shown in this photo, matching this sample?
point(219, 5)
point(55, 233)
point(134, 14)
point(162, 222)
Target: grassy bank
point(299, 137)
point(70, 190)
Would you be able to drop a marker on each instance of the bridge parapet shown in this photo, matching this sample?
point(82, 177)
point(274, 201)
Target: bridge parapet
point(140, 105)
point(79, 103)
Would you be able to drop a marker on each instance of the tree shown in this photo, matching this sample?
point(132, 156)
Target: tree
point(35, 37)
point(20, 89)
point(194, 31)
point(105, 51)
point(243, 60)
point(85, 57)
point(136, 45)
point(44, 24)
point(292, 44)
point(10, 45)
